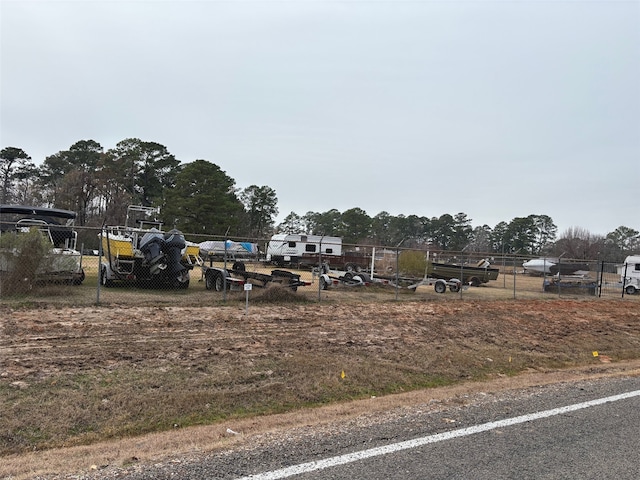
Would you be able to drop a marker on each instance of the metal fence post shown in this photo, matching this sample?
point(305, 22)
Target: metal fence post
point(99, 269)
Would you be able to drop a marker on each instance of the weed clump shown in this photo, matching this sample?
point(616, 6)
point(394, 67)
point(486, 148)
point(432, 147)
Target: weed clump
point(275, 293)
point(23, 257)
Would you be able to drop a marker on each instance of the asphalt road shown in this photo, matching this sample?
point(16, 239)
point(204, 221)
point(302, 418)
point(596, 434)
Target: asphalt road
point(585, 430)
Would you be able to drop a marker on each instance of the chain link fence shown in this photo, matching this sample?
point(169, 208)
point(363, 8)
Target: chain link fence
point(148, 266)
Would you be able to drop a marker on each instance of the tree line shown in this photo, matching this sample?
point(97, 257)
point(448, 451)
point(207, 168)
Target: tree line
point(200, 198)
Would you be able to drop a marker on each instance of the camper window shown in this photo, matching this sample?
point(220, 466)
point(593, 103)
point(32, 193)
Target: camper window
point(310, 248)
point(329, 250)
point(292, 244)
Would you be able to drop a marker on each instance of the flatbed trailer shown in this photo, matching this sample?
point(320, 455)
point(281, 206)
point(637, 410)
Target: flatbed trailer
point(440, 285)
point(234, 279)
point(354, 279)
point(347, 279)
point(570, 284)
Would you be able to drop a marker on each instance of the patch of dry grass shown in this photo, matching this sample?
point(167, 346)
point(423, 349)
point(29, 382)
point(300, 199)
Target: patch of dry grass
point(86, 375)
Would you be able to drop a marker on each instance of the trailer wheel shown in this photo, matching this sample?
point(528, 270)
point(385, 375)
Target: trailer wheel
point(209, 283)
point(474, 281)
point(213, 280)
point(630, 290)
point(219, 282)
point(440, 286)
point(104, 279)
point(239, 266)
point(324, 284)
point(350, 267)
point(365, 278)
point(455, 285)
point(80, 278)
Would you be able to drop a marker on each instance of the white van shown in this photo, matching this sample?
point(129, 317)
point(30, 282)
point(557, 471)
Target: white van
point(629, 273)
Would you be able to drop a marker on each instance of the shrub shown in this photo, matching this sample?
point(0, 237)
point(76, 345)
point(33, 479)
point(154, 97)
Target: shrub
point(412, 263)
point(22, 256)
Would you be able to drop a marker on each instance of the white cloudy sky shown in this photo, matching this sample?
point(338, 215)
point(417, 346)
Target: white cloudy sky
point(498, 109)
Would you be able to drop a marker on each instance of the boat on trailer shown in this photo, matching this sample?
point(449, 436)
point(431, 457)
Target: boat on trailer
point(63, 264)
point(141, 253)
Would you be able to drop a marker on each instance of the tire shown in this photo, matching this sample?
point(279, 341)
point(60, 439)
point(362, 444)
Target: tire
point(440, 287)
point(239, 266)
point(104, 280)
point(348, 275)
point(79, 279)
point(324, 285)
point(455, 287)
point(219, 282)
point(474, 281)
point(365, 278)
point(350, 267)
point(209, 283)
point(630, 290)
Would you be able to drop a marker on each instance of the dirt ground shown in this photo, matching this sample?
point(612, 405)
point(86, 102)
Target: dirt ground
point(43, 342)
point(467, 340)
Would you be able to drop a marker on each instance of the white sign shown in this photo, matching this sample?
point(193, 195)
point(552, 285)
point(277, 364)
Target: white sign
point(248, 287)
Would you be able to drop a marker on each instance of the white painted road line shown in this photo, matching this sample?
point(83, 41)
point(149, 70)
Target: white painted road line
point(418, 442)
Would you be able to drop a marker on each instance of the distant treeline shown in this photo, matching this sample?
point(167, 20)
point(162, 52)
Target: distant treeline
point(200, 198)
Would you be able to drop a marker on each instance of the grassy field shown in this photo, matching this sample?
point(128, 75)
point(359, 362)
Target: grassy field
point(144, 361)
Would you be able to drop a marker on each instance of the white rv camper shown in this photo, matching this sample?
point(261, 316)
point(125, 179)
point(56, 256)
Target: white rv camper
point(629, 273)
point(301, 249)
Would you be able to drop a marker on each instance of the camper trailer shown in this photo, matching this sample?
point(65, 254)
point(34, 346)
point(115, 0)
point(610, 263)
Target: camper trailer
point(629, 273)
point(302, 250)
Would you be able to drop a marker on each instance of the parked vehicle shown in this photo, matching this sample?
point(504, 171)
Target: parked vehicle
point(139, 252)
point(64, 262)
point(629, 273)
point(220, 278)
point(306, 251)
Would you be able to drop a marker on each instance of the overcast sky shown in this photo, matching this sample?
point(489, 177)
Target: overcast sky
point(498, 109)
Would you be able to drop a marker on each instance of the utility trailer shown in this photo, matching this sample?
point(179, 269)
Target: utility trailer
point(570, 284)
point(350, 278)
point(355, 279)
point(234, 279)
point(440, 285)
